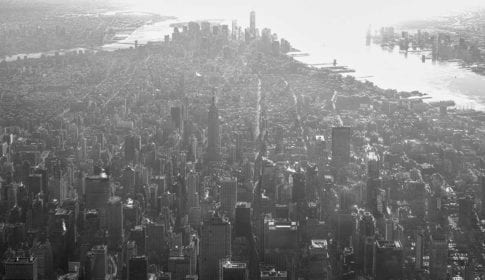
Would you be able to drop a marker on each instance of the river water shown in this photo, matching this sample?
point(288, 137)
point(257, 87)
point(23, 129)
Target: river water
point(328, 30)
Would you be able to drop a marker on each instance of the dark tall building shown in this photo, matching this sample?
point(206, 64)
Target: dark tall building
point(97, 194)
point(438, 256)
point(20, 269)
point(138, 268)
point(228, 196)
point(176, 114)
point(482, 189)
point(99, 262)
point(242, 222)
point(388, 260)
point(465, 211)
point(340, 146)
point(213, 137)
point(34, 183)
point(215, 244)
point(298, 192)
point(114, 221)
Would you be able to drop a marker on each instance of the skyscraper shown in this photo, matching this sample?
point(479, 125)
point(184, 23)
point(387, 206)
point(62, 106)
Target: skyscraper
point(21, 268)
point(138, 268)
point(99, 262)
point(340, 146)
point(97, 191)
point(388, 260)
point(114, 221)
point(252, 23)
point(215, 244)
point(438, 257)
point(213, 137)
point(229, 196)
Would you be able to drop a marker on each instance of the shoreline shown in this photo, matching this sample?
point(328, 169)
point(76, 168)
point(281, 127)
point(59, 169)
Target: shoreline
point(172, 21)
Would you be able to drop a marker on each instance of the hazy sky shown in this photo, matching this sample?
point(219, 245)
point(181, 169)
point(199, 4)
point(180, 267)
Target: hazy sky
point(368, 9)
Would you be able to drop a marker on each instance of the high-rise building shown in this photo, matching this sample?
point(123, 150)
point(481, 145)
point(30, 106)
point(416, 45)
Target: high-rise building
point(138, 268)
point(230, 270)
point(229, 196)
point(242, 220)
point(298, 191)
point(138, 234)
point(252, 24)
point(20, 268)
point(482, 189)
point(388, 260)
point(419, 249)
point(465, 211)
point(179, 267)
point(438, 256)
point(34, 183)
point(43, 253)
point(215, 244)
point(176, 114)
point(99, 262)
point(213, 136)
point(97, 191)
point(114, 215)
point(340, 146)
point(97, 194)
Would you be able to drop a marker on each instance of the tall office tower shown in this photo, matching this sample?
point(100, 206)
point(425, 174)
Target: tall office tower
point(373, 166)
point(192, 182)
point(20, 268)
point(98, 191)
point(388, 260)
point(42, 251)
point(213, 137)
point(155, 241)
point(128, 179)
point(242, 221)
point(365, 246)
point(230, 270)
point(215, 244)
point(234, 30)
point(465, 211)
point(438, 256)
point(419, 249)
point(482, 188)
point(176, 114)
point(45, 179)
point(138, 268)
point(340, 146)
point(252, 24)
point(229, 196)
point(34, 183)
point(318, 260)
point(114, 220)
point(298, 191)
point(99, 262)
point(280, 241)
point(179, 267)
point(138, 234)
point(372, 189)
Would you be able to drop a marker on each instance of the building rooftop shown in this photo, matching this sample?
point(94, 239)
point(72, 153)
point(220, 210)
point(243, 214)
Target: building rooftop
point(387, 244)
point(20, 260)
point(231, 264)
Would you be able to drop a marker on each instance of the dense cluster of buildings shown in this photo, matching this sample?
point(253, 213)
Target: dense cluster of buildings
point(213, 155)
